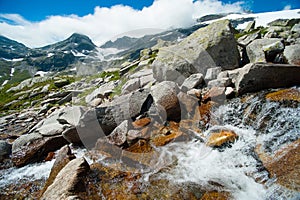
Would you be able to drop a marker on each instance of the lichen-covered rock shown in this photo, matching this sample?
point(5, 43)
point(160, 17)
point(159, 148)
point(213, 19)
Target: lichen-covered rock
point(208, 47)
point(256, 49)
point(255, 77)
point(292, 54)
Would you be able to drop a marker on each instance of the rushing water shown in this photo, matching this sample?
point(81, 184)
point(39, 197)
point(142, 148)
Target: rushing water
point(235, 169)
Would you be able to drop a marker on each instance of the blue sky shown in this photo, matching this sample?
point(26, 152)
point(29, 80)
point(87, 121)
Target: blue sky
point(37, 23)
point(37, 10)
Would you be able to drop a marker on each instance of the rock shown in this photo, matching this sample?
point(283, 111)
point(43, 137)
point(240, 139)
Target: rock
point(63, 157)
point(250, 26)
point(205, 48)
point(118, 135)
point(229, 92)
point(131, 85)
point(292, 54)
point(222, 82)
point(272, 50)
point(29, 83)
point(133, 135)
point(5, 149)
point(188, 105)
point(71, 115)
point(193, 81)
point(127, 106)
point(140, 123)
point(165, 95)
point(217, 139)
point(100, 92)
point(256, 52)
point(216, 94)
point(36, 150)
point(212, 73)
point(69, 181)
point(255, 77)
point(284, 164)
point(284, 22)
point(96, 102)
point(248, 38)
point(165, 134)
point(195, 93)
point(61, 83)
point(50, 126)
point(290, 94)
point(71, 135)
point(147, 80)
point(141, 73)
point(296, 28)
point(25, 139)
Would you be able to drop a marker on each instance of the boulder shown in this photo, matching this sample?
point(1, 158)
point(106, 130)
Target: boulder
point(5, 149)
point(61, 83)
point(292, 54)
point(221, 82)
point(193, 81)
point(35, 150)
point(208, 47)
point(100, 92)
point(63, 157)
point(128, 106)
point(258, 76)
point(250, 26)
point(256, 49)
point(212, 73)
point(296, 28)
point(118, 135)
point(248, 38)
point(69, 181)
point(165, 96)
point(131, 85)
point(284, 22)
point(71, 135)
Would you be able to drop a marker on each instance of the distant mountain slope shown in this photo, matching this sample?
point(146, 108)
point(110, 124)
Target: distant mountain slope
point(10, 49)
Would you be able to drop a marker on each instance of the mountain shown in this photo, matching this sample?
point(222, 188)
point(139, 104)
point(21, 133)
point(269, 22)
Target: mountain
point(10, 49)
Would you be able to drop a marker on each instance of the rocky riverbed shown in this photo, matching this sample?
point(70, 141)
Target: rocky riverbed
point(214, 116)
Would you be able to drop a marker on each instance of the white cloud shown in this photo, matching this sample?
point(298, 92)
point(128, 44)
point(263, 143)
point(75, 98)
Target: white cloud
point(287, 7)
point(105, 23)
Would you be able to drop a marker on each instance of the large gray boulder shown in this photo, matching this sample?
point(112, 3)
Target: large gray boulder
point(258, 76)
point(208, 47)
point(165, 96)
point(128, 106)
point(69, 181)
point(259, 49)
point(292, 54)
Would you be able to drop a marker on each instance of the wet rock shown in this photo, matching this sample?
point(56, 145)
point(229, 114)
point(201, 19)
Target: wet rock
point(36, 150)
point(165, 134)
point(5, 149)
point(177, 62)
point(292, 54)
point(255, 77)
point(193, 81)
point(165, 95)
point(217, 139)
point(188, 105)
point(290, 94)
point(284, 164)
point(69, 181)
point(63, 157)
point(140, 123)
point(258, 50)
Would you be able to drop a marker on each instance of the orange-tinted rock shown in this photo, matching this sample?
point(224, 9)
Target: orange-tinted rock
point(214, 195)
point(284, 164)
point(50, 156)
point(166, 134)
point(140, 123)
point(217, 139)
point(290, 94)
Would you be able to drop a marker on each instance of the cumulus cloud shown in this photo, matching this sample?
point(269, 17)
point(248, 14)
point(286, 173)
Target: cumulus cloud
point(106, 23)
point(287, 7)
